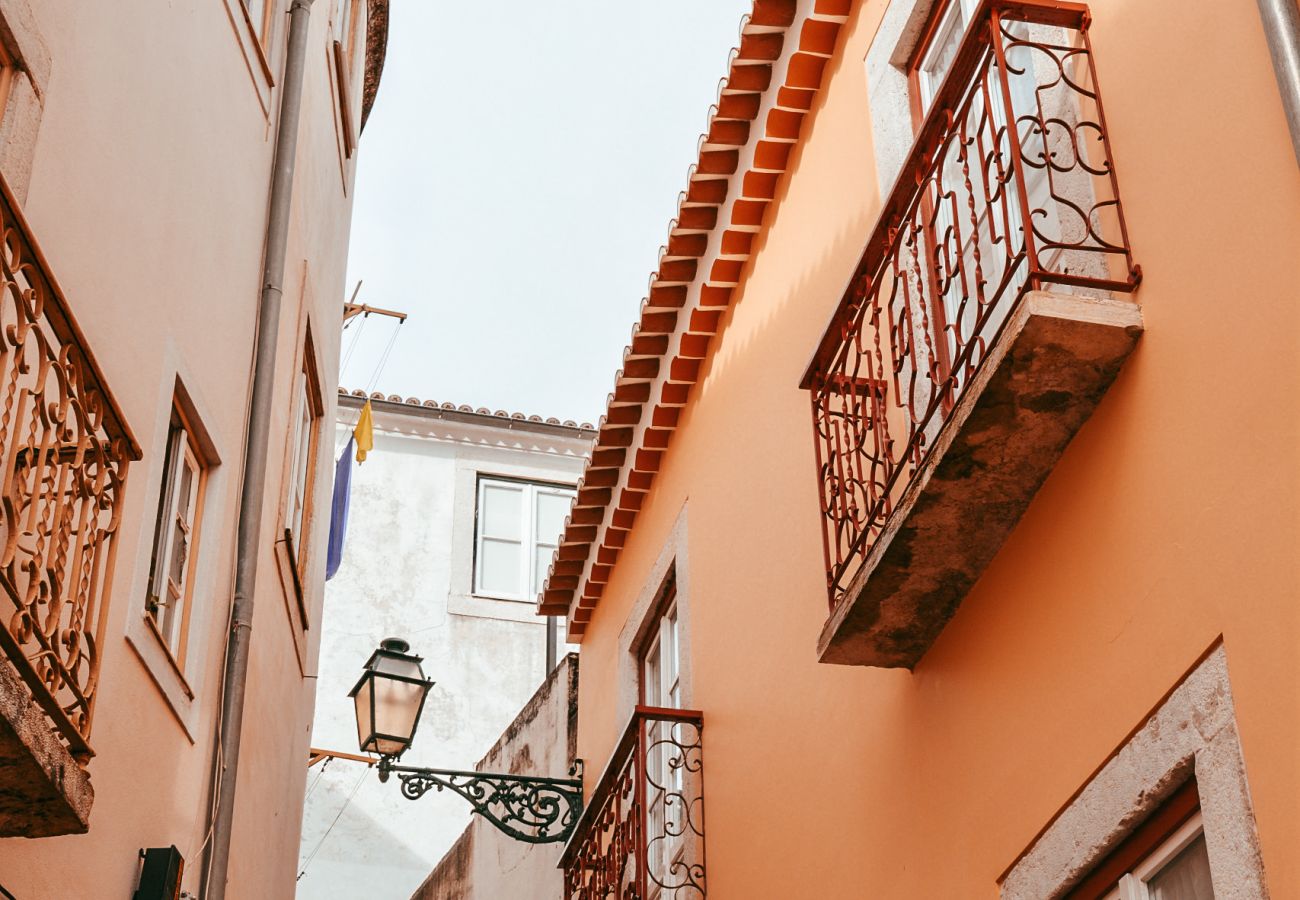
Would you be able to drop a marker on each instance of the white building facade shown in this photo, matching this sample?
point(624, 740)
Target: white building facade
point(453, 520)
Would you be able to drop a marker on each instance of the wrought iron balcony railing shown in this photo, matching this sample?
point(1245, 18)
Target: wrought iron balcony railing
point(64, 450)
point(642, 835)
point(1009, 188)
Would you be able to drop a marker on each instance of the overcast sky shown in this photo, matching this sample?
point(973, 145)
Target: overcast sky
point(515, 182)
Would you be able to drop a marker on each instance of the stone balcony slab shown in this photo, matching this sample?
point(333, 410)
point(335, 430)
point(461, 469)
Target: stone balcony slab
point(43, 790)
point(1046, 373)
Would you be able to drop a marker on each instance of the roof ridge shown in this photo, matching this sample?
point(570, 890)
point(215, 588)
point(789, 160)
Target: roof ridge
point(465, 408)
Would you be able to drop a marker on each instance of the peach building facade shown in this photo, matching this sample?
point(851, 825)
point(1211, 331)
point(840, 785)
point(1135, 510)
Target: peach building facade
point(141, 230)
point(939, 537)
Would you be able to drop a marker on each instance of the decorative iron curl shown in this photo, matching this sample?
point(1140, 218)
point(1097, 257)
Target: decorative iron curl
point(532, 810)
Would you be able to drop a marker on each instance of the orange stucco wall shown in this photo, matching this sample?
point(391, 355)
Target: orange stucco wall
point(148, 194)
point(1170, 521)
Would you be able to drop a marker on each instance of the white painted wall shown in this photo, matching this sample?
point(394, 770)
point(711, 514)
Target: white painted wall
point(406, 572)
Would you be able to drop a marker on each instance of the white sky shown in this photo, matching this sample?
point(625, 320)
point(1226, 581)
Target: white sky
point(515, 182)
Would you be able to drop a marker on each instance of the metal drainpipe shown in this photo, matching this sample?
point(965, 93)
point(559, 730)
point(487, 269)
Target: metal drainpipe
point(253, 488)
point(1282, 31)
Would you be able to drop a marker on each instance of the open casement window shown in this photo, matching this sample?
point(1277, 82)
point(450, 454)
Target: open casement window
point(665, 782)
point(307, 411)
point(518, 529)
point(171, 570)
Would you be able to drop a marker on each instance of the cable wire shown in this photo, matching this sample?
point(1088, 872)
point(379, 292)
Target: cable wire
point(321, 842)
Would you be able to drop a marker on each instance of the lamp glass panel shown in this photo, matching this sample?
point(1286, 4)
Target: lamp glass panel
point(364, 705)
point(397, 704)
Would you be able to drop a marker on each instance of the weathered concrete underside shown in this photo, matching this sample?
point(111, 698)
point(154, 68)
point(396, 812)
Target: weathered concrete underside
point(43, 791)
point(1057, 356)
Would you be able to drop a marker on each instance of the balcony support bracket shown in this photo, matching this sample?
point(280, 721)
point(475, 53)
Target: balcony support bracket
point(1045, 374)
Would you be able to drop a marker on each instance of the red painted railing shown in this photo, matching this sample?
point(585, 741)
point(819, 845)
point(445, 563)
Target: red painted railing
point(1015, 135)
point(641, 837)
point(64, 449)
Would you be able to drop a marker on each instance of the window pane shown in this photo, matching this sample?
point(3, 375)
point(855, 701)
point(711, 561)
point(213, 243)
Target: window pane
point(499, 564)
point(652, 674)
point(1186, 878)
point(500, 515)
point(542, 555)
point(943, 49)
point(551, 510)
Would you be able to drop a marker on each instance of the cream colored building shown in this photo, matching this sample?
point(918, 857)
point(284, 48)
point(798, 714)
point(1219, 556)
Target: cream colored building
point(143, 235)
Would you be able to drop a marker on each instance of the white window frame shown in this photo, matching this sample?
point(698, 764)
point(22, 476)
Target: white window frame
point(661, 669)
point(929, 86)
point(1134, 884)
point(168, 601)
point(529, 540)
point(300, 472)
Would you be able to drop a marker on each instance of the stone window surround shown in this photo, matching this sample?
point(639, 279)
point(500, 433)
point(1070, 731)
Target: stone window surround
point(20, 120)
point(644, 615)
point(179, 690)
point(1193, 731)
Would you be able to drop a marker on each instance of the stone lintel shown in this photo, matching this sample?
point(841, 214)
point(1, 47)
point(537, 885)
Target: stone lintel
point(43, 790)
point(1056, 357)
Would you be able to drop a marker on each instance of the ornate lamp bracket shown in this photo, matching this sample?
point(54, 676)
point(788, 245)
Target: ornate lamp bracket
point(530, 809)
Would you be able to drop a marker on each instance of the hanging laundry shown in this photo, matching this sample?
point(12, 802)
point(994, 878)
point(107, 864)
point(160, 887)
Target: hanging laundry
point(364, 433)
point(339, 509)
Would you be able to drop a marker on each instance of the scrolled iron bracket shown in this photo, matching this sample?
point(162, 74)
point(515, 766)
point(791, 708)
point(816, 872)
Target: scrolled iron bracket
point(531, 809)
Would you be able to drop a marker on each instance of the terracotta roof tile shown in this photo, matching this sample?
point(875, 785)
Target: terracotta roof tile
point(775, 72)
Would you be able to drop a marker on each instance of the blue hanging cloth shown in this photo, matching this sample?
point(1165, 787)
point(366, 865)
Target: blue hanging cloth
point(339, 511)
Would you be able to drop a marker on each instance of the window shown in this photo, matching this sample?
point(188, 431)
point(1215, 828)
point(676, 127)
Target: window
point(985, 245)
point(303, 468)
point(1179, 869)
point(171, 569)
point(304, 437)
point(258, 13)
point(350, 14)
point(519, 526)
point(1165, 858)
point(939, 49)
point(661, 686)
point(661, 668)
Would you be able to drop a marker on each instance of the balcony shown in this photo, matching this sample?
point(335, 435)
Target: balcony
point(64, 450)
point(642, 834)
point(985, 321)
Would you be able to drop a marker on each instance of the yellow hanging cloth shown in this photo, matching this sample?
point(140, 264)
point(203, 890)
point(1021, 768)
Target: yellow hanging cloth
point(364, 433)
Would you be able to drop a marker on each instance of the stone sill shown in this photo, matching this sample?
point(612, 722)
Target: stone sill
point(1044, 377)
point(43, 791)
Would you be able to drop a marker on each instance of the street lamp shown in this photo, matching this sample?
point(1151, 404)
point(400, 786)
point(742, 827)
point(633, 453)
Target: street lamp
point(389, 698)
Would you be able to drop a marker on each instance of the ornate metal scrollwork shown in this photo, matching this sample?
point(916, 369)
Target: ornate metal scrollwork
point(1009, 188)
point(530, 809)
point(643, 834)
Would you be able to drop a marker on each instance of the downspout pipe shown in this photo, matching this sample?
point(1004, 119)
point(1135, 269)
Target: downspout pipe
point(253, 488)
point(1282, 31)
